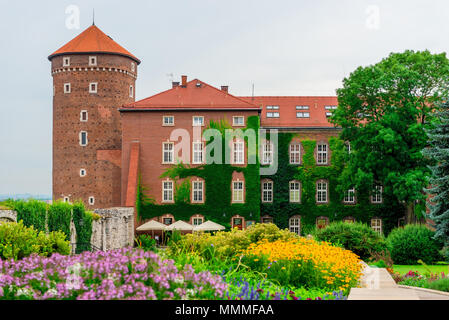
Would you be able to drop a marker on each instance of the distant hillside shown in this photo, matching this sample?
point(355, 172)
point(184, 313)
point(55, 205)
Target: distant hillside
point(24, 196)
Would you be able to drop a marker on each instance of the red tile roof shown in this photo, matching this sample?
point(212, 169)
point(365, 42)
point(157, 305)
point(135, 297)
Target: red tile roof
point(93, 40)
point(287, 111)
point(195, 95)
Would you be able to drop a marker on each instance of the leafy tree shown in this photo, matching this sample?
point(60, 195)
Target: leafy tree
point(439, 190)
point(383, 111)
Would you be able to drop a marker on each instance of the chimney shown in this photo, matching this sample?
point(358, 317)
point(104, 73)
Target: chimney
point(224, 88)
point(184, 81)
point(175, 84)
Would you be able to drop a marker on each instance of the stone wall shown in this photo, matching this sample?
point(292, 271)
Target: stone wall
point(113, 230)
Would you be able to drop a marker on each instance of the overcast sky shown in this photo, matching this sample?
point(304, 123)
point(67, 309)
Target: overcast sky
point(293, 47)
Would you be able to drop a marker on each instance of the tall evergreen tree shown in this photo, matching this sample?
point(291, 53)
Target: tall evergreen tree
point(439, 180)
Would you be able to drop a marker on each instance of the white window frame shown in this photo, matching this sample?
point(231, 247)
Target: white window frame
point(81, 172)
point(91, 201)
point(67, 88)
point(195, 223)
point(197, 191)
point(81, 115)
point(195, 123)
point(322, 188)
point(198, 153)
point(302, 107)
point(131, 91)
point(294, 188)
point(295, 153)
point(322, 153)
point(267, 153)
point(348, 146)
point(167, 191)
point(302, 114)
point(170, 152)
point(267, 191)
point(66, 61)
point(273, 115)
point(349, 196)
point(81, 138)
point(166, 124)
point(330, 107)
point(96, 87)
point(294, 224)
point(376, 196)
point(376, 225)
point(133, 66)
point(237, 123)
point(272, 107)
point(238, 188)
point(238, 152)
point(92, 64)
point(66, 199)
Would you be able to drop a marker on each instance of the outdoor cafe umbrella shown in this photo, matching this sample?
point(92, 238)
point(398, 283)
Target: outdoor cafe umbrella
point(209, 226)
point(179, 225)
point(151, 226)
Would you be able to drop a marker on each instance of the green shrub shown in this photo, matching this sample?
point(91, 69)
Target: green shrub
point(357, 237)
point(445, 254)
point(31, 212)
point(18, 241)
point(411, 243)
point(440, 284)
point(145, 242)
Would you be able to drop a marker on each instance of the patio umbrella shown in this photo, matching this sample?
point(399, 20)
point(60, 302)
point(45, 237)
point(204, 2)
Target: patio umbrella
point(151, 226)
point(209, 226)
point(179, 225)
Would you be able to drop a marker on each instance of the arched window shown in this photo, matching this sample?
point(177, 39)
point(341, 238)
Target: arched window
point(167, 219)
point(294, 224)
point(237, 222)
point(196, 219)
point(266, 219)
point(349, 219)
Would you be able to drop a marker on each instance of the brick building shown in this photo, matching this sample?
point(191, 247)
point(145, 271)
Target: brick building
point(103, 141)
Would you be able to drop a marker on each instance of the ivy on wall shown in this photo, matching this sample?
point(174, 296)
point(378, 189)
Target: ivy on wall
point(281, 209)
point(217, 183)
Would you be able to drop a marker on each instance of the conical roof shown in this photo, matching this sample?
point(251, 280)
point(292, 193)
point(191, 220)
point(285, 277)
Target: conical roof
point(93, 40)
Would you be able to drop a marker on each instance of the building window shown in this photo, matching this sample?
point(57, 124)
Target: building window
point(167, 191)
point(168, 152)
point(92, 61)
point(376, 196)
point(250, 223)
point(295, 191)
point(238, 121)
point(197, 191)
point(168, 121)
point(267, 152)
point(67, 88)
point(238, 156)
point(302, 114)
point(83, 116)
point(349, 220)
point(272, 107)
point(267, 191)
point(328, 114)
point(131, 91)
point(295, 153)
point(322, 222)
point(266, 219)
point(237, 222)
point(237, 191)
point(83, 172)
point(302, 107)
point(321, 153)
point(330, 107)
point(93, 87)
point(83, 138)
point(91, 201)
point(133, 66)
point(196, 221)
point(167, 221)
point(321, 191)
point(294, 224)
point(66, 62)
point(272, 114)
point(198, 121)
point(197, 152)
point(66, 199)
point(349, 196)
point(348, 146)
point(376, 225)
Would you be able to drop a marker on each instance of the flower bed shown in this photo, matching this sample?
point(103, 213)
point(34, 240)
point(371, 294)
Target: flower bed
point(118, 274)
point(435, 281)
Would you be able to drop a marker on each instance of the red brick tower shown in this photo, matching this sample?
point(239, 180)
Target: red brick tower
point(92, 77)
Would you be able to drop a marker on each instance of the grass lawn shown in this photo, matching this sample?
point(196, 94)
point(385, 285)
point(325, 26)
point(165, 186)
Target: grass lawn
point(403, 269)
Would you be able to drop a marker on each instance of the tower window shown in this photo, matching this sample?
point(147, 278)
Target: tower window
point(67, 88)
point(91, 201)
point(83, 116)
point(92, 61)
point(83, 138)
point(93, 87)
point(66, 62)
point(83, 172)
point(131, 91)
point(66, 199)
point(133, 66)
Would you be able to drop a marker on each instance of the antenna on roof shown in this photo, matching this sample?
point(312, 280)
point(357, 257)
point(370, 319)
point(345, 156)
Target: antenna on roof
point(93, 17)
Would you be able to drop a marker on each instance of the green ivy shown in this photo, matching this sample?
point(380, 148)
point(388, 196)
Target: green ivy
point(83, 226)
point(218, 178)
point(308, 173)
point(32, 213)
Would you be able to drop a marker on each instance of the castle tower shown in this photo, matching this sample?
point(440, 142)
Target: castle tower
point(92, 77)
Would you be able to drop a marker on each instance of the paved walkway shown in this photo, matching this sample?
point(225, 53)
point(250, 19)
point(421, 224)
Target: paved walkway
point(377, 284)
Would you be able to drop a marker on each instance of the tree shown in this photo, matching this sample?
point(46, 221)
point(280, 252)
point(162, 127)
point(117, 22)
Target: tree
point(439, 181)
point(383, 112)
